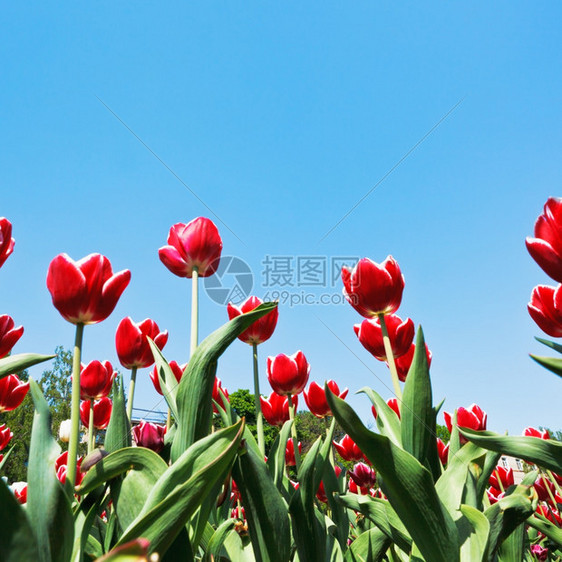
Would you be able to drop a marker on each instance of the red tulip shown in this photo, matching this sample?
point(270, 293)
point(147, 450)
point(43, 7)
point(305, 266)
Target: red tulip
point(545, 309)
point(348, 449)
point(290, 452)
point(372, 288)
point(442, 451)
point(218, 392)
point(20, 491)
point(275, 409)
point(501, 478)
point(532, 432)
point(5, 436)
point(262, 329)
point(404, 362)
point(132, 344)
point(321, 493)
point(102, 413)
point(6, 240)
point(288, 374)
point(61, 468)
point(539, 552)
point(473, 418)
point(546, 247)
point(494, 495)
point(363, 475)
point(86, 291)
point(550, 513)
point(544, 488)
point(176, 369)
point(195, 244)
point(315, 398)
point(8, 334)
point(392, 404)
point(12, 392)
point(355, 489)
point(400, 333)
point(149, 435)
point(96, 379)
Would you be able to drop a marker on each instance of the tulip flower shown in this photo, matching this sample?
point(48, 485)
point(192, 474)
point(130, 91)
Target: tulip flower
point(348, 449)
point(12, 392)
point(550, 513)
point(5, 436)
point(218, 393)
point(178, 371)
point(290, 452)
point(61, 468)
point(64, 430)
point(404, 362)
point(353, 488)
point(532, 432)
point(86, 291)
point(96, 379)
point(442, 451)
point(196, 244)
point(315, 398)
point(132, 344)
point(545, 488)
point(288, 374)
point(400, 333)
point(546, 247)
point(472, 417)
point(321, 493)
point(494, 495)
point(6, 240)
point(501, 478)
point(262, 329)
point(102, 413)
point(9, 335)
point(545, 308)
point(392, 403)
point(149, 435)
point(276, 408)
point(363, 475)
point(539, 552)
point(20, 491)
point(373, 288)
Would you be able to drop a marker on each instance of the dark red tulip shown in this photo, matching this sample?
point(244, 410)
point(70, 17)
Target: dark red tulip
point(132, 344)
point(195, 244)
point(355, 489)
point(442, 451)
point(501, 478)
point(400, 333)
point(546, 247)
point(102, 413)
point(96, 379)
point(178, 371)
point(472, 417)
point(392, 404)
point(61, 468)
point(9, 335)
point(321, 493)
point(363, 475)
point(262, 329)
point(288, 374)
point(6, 240)
point(290, 452)
point(86, 291)
point(315, 398)
point(20, 491)
point(373, 288)
point(545, 308)
point(348, 449)
point(544, 488)
point(5, 436)
point(12, 392)
point(218, 393)
point(275, 409)
point(532, 432)
point(404, 362)
point(539, 552)
point(550, 513)
point(149, 435)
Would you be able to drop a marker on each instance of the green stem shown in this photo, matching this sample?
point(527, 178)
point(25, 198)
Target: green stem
point(131, 394)
point(194, 309)
point(332, 460)
point(169, 420)
point(259, 415)
point(75, 407)
point(294, 433)
point(91, 428)
point(390, 359)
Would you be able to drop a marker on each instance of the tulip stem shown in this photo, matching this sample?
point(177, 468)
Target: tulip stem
point(294, 433)
point(259, 415)
point(91, 428)
point(331, 453)
point(390, 359)
point(168, 420)
point(75, 407)
point(131, 394)
point(194, 309)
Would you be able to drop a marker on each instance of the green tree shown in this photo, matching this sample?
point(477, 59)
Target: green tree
point(443, 433)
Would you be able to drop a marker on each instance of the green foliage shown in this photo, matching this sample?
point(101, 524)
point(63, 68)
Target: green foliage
point(443, 433)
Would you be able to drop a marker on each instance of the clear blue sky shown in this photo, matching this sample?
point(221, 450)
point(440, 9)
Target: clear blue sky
point(280, 116)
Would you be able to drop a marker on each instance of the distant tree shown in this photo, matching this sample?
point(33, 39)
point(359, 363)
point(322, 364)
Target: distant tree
point(556, 435)
point(443, 433)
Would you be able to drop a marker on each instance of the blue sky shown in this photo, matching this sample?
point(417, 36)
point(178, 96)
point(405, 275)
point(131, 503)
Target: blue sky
point(281, 117)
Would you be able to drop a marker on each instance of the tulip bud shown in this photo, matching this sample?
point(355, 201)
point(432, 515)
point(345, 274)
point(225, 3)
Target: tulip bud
point(6, 240)
point(64, 430)
point(177, 370)
point(132, 344)
point(400, 333)
point(149, 435)
point(262, 329)
point(288, 374)
point(315, 398)
point(275, 409)
point(9, 335)
point(12, 392)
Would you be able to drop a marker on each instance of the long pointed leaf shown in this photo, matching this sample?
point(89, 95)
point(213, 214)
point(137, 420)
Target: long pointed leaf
point(20, 362)
point(118, 433)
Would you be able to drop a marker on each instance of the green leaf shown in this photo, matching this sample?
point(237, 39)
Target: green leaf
point(387, 421)
point(133, 551)
point(266, 511)
point(473, 528)
point(20, 362)
point(194, 398)
point(162, 524)
point(168, 382)
point(513, 547)
point(217, 540)
point(551, 363)
point(490, 463)
point(408, 486)
point(276, 459)
point(551, 344)
point(553, 532)
point(118, 433)
point(368, 547)
point(6, 457)
point(17, 538)
point(418, 417)
point(544, 452)
point(48, 505)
